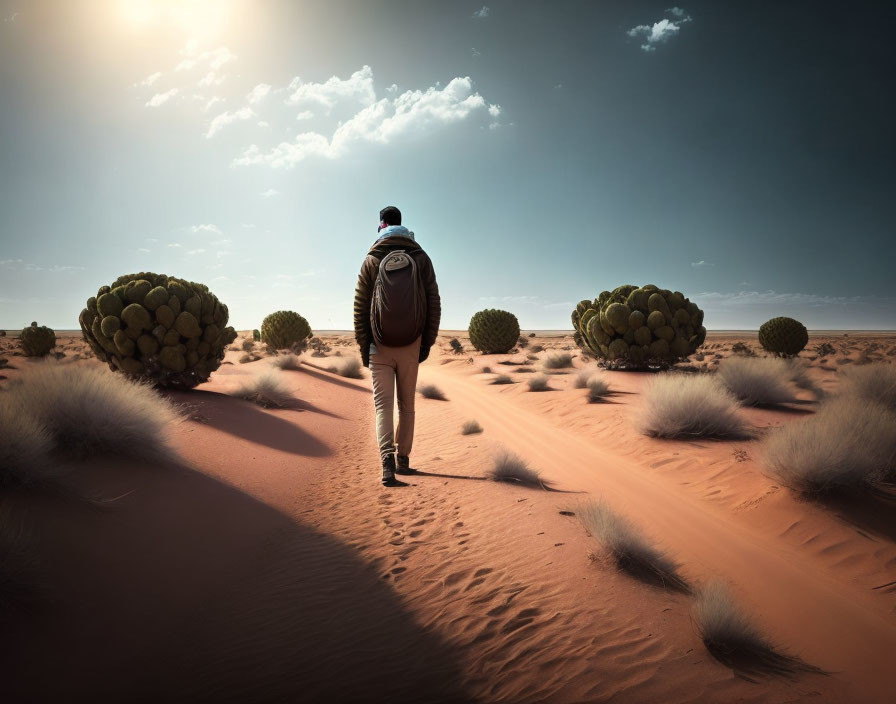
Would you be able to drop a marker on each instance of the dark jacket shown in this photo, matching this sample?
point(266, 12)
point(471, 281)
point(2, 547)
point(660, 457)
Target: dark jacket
point(364, 292)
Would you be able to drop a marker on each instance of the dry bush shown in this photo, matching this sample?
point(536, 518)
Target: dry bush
point(508, 467)
point(431, 391)
point(690, 406)
point(539, 383)
point(598, 389)
point(742, 349)
point(734, 640)
point(536, 348)
point(471, 427)
point(758, 381)
point(502, 379)
point(456, 346)
point(876, 382)
point(531, 357)
point(249, 358)
point(523, 342)
point(350, 368)
point(850, 443)
point(632, 552)
point(582, 377)
point(90, 410)
point(288, 361)
point(268, 390)
point(524, 370)
point(558, 360)
point(247, 345)
point(486, 370)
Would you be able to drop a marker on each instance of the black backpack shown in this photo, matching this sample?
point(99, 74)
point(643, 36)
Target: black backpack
point(398, 304)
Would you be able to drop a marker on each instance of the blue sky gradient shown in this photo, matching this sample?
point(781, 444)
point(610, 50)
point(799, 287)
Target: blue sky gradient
point(738, 152)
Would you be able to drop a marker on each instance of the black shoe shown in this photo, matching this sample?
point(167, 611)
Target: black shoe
point(389, 470)
point(403, 465)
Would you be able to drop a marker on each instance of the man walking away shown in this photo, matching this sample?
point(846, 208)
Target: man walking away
point(397, 314)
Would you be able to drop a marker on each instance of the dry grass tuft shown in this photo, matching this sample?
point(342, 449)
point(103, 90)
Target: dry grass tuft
point(539, 383)
point(268, 390)
point(502, 379)
point(486, 370)
point(582, 377)
point(734, 640)
point(508, 467)
point(849, 444)
point(471, 427)
point(876, 382)
point(247, 345)
point(431, 391)
point(287, 362)
point(598, 389)
point(758, 381)
point(558, 360)
point(632, 552)
point(350, 368)
point(690, 406)
point(84, 411)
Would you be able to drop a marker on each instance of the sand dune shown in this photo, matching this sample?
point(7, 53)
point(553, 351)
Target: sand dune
point(274, 566)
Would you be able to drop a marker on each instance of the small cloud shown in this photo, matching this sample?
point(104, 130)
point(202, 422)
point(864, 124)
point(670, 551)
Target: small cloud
point(226, 118)
point(494, 110)
point(161, 98)
point(393, 88)
point(270, 193)
point(196, 251)
point(214, 229)
point(11, 18)
point(143, 250)
point(263, 123)
point(151, 78)
point(482, 13)
point(211, 102)
point(211, 79)
point(701, 263)
point(558, 86)
point(305, 115)
point(258, 93)
point(10, 263)
point(659, 32)
point(174, 245)
point(474, 52)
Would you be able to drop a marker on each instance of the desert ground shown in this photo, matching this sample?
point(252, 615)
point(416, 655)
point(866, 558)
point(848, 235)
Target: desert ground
point(267, 563)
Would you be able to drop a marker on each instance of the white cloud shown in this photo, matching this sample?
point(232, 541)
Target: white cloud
point(305, 115)
point(143, 250)
point(270, 193)
point(151, 78)
point(661, 31)
point(258, 92)
point(10, 263)
point(214, 100)
point(214, 229)
point(161, 98)
point(214, 59)
point(482, 13)
point(196, 251)
point(211, 79)
point(380, 121)
point(225, 118)
point(151, 240)
point(474, 52)
point(174, 245)
point(263, 123)
point(358, 86)
point(494, 110)
point(701, 263)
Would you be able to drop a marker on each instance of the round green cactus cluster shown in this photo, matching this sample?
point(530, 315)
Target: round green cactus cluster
point(256, 335)
point(38, 340)
point(637, 327)
point(168, 330)
point(783, 336)
point(494, 331)
point(285, 329)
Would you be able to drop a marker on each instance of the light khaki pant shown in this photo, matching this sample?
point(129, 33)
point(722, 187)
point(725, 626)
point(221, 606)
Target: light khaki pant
point(395, 369)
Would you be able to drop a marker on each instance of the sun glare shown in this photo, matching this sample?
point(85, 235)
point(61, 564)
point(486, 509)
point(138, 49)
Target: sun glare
point(198, 18)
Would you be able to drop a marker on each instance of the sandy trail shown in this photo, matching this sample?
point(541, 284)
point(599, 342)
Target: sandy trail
point(801, 604)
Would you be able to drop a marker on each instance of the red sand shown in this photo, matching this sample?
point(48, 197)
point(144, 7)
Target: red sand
point(277, 568)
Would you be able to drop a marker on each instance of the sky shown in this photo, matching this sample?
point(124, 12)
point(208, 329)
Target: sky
point(739, 152)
